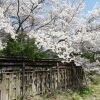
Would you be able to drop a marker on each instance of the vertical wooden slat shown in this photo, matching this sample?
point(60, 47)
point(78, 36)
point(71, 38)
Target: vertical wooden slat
point(0, 94)
point(58, 76)
point(23, 81)
point(50, 79)
point(65, 77)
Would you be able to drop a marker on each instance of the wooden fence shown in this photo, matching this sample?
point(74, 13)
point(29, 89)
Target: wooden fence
point(23, 78)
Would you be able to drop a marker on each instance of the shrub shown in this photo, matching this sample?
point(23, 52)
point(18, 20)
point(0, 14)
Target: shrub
point(23, 46)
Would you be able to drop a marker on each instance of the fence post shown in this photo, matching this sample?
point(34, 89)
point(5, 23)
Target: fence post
point(51, 80)
point(58, 74)
point(23, 82)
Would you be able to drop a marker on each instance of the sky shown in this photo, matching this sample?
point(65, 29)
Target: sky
point(89, 4)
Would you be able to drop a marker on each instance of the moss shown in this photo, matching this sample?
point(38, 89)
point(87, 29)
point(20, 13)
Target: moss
point(76, 96)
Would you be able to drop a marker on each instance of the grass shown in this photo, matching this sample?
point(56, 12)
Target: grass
point(90, 92)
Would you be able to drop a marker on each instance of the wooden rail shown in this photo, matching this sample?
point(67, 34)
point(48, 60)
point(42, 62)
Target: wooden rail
point(39, 76)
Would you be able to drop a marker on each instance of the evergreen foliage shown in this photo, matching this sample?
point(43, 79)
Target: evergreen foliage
point(23, 46)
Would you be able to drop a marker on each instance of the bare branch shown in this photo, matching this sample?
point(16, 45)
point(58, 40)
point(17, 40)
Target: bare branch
point(76, 11)
point(21, 22)
point(45, 24)
point(94, 29)
point(7, 9)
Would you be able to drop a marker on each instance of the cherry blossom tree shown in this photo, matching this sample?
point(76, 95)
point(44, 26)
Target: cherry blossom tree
point(59, 35)
point(57, 25)
point(24, 14)
point(5, 28)
point(71, 32)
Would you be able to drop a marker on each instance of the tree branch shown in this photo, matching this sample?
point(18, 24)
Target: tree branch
point(45, 24)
